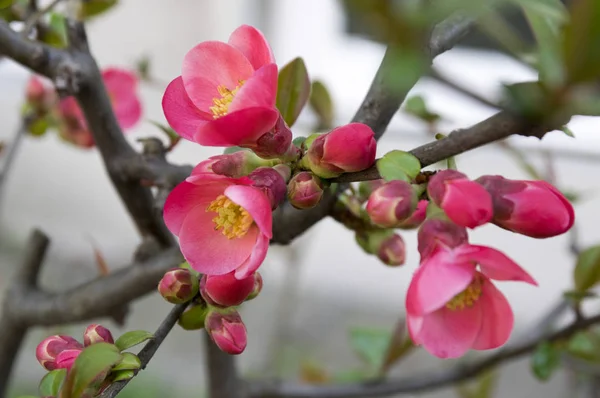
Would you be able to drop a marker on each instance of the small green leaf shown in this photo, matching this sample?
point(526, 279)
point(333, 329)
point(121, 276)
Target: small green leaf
point(581, 38)
point(129, 361)
point(57, 33)
point(193, 318)
point(370, 345)
point(528, 99)
point(174, 138)
point(38, 127)
point(299, 141)
point(91, 367)
point(584, 345)
point(587, 269)
point(577, 296)
point(132, 338)
point(6, 3)
point(51, 383)
point(233, 149)
point(545, 360)
point(92, 8)
point(416, 106)
point(122, 375)
point(567, 131)
point(321, 103)
point(293, 90)
point(398, 165)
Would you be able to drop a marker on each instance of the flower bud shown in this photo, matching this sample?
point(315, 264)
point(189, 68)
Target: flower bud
point(416, 218)
point(345, 149)
point(436, 231)
point(178, 285)
point(271, 182)
point(258, 284)
point(97, 334)
point(533, 208)
point(464, 201)
point(227, 331)
point(366, 188)
point(276, 143)
point(226, 290)
point(35, 92)
point(66, 358)
point(235, 165)
point(48, 350)
point(392, 203)
point(305, 190)
point(392, 250)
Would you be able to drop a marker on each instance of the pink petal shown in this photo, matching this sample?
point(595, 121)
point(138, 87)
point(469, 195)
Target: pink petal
point(256, 203)
point(253, 44)
point(258, 91)
point(439, 278)
point(211, 64)
point(414, 323)
point(209, 251)
point(243, 127)
point(449, 334)
point(128, 111)
point(256, 258)
point(497, 318)
point(183, 116)
point(65, 359)
point(184, 198)
point(120, 83)
point(493, 263)
point(467, 203)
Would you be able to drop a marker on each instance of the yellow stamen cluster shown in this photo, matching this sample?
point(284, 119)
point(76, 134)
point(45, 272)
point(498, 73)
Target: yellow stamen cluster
point(232, 218)
point(467, 297)
point(221, 104)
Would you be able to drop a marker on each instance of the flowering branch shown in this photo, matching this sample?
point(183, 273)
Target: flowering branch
point(417, 383)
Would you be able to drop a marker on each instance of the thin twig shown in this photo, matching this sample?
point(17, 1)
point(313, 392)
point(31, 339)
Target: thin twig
point(223, 380)
point(35, 17)
point(461, 89)
point(150, 348)
point(10, 154)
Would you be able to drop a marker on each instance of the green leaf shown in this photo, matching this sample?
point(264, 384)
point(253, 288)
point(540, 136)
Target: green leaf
point(581, 38)
point(174, 138)
point(370, 345)
point(577, 296)
point(122, 375)
point(90, 368)
point(299, 141)
point(528, 99)
point(398, 165)
point(233, 149)
point(321, 103)
point(6, 3)
point(567, 131)
point(416, 106)
point(584, 345)
point(57, 33)
point(193, 318)
point(51, 383)
point(545, 360)
point(293, 90)
point(133, 338)
point(92, 8)
point(38, 127)
point(587, 269)
point(129, 361)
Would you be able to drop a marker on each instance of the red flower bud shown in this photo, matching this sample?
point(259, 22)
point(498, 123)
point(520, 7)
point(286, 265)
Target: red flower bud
point(178, 285)
point(226, 290)
point(464, 201)
point(258, 284)
point(227, 330)
point(277, 142)
point(35, 91)
point(48, 350)
point(416, 218)
point(345, 149)
point(97, 334)
point(237, 164)
point(392, 203)
point(392, 250)
point(533, 208)
point(271, 182)
point(436, 231)
point(66, 358)
point(305, 190)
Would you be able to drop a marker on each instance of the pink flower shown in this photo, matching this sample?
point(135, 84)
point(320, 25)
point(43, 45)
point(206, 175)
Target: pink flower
point(223, 224)
point(464, 201)
point(122, 90)
point(226, 290)
point(533, 208)
point(48, 351)
point(344, 149)
point(226, 93)
point(453, 307)
point(392, 203)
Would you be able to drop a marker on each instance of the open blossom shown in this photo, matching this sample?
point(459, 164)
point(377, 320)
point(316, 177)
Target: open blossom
point(464, 201)
point(223, 224)
point(122, 90)
point(226, 93)
point(533, 208)
point(452, 306)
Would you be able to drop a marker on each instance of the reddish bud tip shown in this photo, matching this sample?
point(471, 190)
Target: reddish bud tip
point(97, 334)
point(226, 290)
point(305, 190)
point(436, 231)
point(275, 143)
point(392, 250)
point(227, 330)
point(392, 203)
point(258, 284)
point(271, 182)
point(417, 218)
point(178, 285)
point(49, 349)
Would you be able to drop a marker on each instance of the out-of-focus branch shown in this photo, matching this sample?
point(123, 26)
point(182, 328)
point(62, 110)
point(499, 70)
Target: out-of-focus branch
point(150, 348)
point(9, 154)
point(416, 383)
point(223, 379)
point(457, 87)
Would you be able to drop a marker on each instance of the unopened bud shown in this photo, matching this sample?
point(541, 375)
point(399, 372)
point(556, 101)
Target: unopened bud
point(236, 164)
point(66, 358)
point(416, 218)
point(392, 203)
point(35, 91)
point(178, 285)
point(97, 334)
point(227, 330)
point(305, 190)
point(436, 231)
point(276, 143)
point(49, 349)
point(226, 290)
point(392, 250)
point(366, 188)
point(258, 284)
point(271, 183)
point(193, 318)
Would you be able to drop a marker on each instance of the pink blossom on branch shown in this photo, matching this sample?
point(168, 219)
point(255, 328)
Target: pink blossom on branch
point(453, 307)
point(223, 224)
point(226, 93)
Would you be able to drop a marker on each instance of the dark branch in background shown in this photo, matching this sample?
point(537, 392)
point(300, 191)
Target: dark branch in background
point(416, 383)
point(12, 330)
point(434, 74)
point(8, 155)
point(150, 348)
point(223, 380)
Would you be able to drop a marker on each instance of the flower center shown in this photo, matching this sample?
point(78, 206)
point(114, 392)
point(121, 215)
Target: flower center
point(467, 297)
point(221, 105)
point(232, 219)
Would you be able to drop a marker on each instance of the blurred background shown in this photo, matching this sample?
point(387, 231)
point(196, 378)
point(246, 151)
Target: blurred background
point(323, 286)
